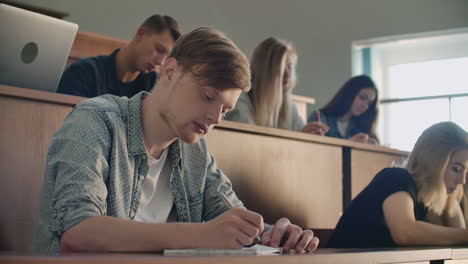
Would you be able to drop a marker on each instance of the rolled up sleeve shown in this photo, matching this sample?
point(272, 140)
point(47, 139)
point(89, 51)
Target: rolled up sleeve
point(217, 184)
point(77, 170)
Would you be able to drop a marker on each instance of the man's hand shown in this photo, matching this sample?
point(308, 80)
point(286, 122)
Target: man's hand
point(290, 236)
point(234, 229)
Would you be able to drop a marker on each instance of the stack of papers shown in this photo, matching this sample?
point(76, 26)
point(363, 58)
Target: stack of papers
point(253, 250)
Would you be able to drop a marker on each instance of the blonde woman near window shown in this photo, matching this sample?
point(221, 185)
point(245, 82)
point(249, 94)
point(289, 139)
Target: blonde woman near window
point(419, 205)
point(269, 103)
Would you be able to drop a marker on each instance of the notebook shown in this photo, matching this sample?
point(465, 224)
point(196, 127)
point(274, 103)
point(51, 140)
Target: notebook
point(34, 48)
point(253, 250)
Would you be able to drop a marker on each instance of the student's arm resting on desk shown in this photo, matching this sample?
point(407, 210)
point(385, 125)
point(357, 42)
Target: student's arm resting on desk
point(405, 230)
point(78, 169)
point(99, 233)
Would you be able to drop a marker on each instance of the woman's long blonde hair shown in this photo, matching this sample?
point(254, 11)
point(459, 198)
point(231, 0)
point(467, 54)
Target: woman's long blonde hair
point(270, 99)
point(429, 159)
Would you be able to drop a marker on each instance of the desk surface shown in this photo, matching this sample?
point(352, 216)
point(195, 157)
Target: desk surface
point(320, 256)
point(460, 253)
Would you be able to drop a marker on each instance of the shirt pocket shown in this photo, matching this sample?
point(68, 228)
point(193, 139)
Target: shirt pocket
point(195, 203)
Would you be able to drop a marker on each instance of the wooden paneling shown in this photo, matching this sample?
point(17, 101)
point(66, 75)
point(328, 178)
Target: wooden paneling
point(282, 177)
point(25, 133)
point(366, 164)
point(302, 103)
point(88, 44)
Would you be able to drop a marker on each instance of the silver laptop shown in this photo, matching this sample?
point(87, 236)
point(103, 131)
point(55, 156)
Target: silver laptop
point(33, 48)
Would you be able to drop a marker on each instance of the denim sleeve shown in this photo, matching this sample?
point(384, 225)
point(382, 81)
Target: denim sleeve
point(217, 184)
point(77, 169)
point(78, 79)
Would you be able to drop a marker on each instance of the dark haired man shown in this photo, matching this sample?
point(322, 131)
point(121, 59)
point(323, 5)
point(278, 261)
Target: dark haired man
point(126, 71)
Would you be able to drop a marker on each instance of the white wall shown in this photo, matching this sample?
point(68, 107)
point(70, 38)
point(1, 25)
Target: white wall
point(322, 30)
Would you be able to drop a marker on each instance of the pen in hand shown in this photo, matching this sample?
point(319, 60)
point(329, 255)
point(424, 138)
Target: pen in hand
point(257, 240)
point(319, 121)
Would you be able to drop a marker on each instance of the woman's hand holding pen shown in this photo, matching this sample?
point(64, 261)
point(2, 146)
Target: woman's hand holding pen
point(316, 127)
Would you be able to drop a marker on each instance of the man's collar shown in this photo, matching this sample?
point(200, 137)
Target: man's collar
point(136, 143)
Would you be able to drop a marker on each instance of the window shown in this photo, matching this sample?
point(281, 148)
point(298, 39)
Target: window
point(422, 79)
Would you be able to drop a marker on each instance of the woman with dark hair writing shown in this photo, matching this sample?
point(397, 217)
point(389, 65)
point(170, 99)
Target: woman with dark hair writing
point(351, 114)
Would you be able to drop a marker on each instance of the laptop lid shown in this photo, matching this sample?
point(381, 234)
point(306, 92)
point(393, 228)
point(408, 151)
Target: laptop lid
point(34, 48)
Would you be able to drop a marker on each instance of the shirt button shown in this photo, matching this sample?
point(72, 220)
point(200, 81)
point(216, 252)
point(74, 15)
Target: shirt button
point(132, 214)
point(141, 177)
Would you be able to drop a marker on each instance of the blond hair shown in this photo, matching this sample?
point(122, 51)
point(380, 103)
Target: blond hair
point(271, 102)
point(212, 57)
point(429, 159)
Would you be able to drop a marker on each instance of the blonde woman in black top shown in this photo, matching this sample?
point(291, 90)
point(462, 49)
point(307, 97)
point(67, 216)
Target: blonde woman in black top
point(419, 205)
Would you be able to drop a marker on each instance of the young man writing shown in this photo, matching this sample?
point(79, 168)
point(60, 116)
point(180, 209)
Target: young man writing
point(134, 175)
point(126, 71)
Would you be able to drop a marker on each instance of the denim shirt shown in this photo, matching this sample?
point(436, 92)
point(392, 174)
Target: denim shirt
point(97, 163)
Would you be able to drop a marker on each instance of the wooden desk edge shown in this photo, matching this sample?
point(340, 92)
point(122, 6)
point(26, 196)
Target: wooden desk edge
point(303, 99)
point(229, 125)
point(70, 100)
point(41, 96)
point(397, 255)
point(459, 253)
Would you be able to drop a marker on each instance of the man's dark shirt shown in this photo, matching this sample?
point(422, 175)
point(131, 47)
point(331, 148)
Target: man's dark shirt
point(96, 76)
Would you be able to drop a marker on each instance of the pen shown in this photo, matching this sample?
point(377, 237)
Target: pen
point(257, 240)
point(318, 116)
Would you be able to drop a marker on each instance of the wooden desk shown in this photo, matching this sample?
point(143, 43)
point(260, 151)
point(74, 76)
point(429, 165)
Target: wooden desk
point(366, 163)
point(281, 176)
point(28, 119)
point(275, 172)
point(459, 256)
point(401, 255)
point(302, 103)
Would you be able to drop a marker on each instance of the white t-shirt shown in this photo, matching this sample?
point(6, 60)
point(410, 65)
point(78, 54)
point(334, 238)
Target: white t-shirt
point(342, 127)
point(156, 195)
